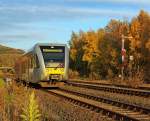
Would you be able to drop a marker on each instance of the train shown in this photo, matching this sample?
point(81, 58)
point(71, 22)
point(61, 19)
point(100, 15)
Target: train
point(45, 62)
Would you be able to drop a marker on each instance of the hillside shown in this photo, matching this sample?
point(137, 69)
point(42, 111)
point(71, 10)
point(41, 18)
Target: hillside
point(8, 50)
point(8, 55)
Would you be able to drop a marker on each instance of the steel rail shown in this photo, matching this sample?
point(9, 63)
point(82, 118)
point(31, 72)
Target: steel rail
point(110, 101)
point(121, 90)
point(108, 84)
point(107, 109)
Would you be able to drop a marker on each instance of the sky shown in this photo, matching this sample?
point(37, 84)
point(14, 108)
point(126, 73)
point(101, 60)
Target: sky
point(23, 23)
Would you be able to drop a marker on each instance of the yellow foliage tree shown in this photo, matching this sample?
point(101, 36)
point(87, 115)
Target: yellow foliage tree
point(91, 46)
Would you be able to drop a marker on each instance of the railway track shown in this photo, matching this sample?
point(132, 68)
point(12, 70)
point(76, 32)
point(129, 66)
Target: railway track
point(113, 89)
point(114, 109)
point(108, 84)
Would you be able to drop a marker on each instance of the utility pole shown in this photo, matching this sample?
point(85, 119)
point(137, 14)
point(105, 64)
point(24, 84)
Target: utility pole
point(123, 57)
point(123, 52)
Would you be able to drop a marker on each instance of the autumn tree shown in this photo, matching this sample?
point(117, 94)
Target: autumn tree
point(140, 44)
point(99, 52)
point(77, 43)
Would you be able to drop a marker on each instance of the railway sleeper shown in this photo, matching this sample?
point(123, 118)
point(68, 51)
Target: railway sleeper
point(112, 89)
point(113, 102)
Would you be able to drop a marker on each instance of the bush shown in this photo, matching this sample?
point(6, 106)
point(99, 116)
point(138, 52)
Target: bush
point(136, 80)
point(30, 110)
point(73, 74)
point(1, 83)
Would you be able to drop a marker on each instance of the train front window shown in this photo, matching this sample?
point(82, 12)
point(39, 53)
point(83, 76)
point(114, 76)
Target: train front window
point(53, 54)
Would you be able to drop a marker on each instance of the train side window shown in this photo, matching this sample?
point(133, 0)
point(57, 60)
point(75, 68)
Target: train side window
point(33, 63)
point(30, 62)
point(37, 62)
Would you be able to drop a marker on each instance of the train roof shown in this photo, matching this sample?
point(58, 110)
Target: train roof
point(44, 44)
point(50, 44)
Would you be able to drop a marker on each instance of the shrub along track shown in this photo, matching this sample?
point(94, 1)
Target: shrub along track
point(114, 89)
point(114, 109)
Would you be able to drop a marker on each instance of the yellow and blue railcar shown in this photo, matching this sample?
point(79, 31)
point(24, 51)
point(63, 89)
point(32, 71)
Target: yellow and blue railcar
point(45, 62)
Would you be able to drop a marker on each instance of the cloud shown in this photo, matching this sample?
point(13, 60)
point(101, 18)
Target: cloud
point(30, 20)
point(16, 37)
point(58, 11)
point(136, 2)
point(100, 12)
point(13, 16)
point(20, 12)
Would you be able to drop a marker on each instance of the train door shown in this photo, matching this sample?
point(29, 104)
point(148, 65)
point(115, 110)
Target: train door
point(31, 67)
point(36, 70)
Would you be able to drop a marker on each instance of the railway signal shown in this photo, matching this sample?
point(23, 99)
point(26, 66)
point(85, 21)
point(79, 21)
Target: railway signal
point(123, 54)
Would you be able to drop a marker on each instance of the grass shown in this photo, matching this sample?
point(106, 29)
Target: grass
point(19, 103)
point(2, 83)
point(4, 50)
point(8, 56)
